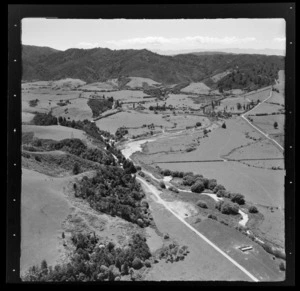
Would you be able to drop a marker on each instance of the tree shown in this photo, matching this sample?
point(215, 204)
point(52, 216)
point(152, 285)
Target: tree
point(44, 265)
point(229, 208)
point(198, 124)
point(76, 169)
point(237, 198)
point(252, 209)
point(275, 125)
point(198, 187)
point(224, 125)
point(239, 106)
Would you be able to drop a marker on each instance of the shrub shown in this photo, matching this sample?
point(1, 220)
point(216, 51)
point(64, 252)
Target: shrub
point(137, 263)
point(237, 198)
point(229, 208)
point(173, 189)
point(282, 266)
point(166, 172)
point(142, 174)
point(219, 205)
point(218, 187)
point(211, 216)
point(198, 124)
point(162, 184)
point(252, 209)
point(147, 264)
point(201, 204)
point(212, 183)
point(198, 187)
point(76, 169)
point(37, 158)
point(189, 180)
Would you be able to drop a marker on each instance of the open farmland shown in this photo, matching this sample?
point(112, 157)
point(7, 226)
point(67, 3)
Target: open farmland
point(145, 180)
point(130, 119)
point(55, 132)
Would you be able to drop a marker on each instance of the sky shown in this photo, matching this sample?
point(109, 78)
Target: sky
point(155, 35)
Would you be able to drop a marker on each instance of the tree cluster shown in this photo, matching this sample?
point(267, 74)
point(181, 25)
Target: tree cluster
point(92, 261)
point(100, 105)
point(115, 192)
point(44, 119)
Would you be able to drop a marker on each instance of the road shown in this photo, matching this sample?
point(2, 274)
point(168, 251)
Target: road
point(156, 193)
point(256, 128)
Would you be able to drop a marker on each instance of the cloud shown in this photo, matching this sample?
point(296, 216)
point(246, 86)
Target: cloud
point(279, 39)
point(189, 40)
point(87, 45)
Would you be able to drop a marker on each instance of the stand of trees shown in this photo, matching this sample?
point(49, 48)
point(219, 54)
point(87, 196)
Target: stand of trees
point(44, 119)
point(92, 262)
point(114, 191)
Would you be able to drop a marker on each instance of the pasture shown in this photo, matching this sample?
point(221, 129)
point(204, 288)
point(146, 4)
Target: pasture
point(197, 88)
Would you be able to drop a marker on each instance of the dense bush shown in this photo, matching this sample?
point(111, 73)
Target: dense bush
point(99, 105)
point(76, 169)
point(89, 262)
point(116, 192)
point(211, 216)
point(44, 119)
point(121, 132)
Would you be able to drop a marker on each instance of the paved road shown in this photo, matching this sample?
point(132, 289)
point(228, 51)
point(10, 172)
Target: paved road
point(155, 192)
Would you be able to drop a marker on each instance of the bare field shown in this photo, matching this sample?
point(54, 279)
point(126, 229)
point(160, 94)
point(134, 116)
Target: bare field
point(219, 76)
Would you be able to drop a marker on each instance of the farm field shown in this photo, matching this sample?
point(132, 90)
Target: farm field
point(55, 132)
point(266, 123)
point(219, 76)
point(138, 82)
point(27, 117)
point(266, 108)
point(130, 119)
point(260, 95)
point(77, 110)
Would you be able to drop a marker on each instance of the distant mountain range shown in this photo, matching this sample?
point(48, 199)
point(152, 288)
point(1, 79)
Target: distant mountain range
point(100, 64)
point(266, 51)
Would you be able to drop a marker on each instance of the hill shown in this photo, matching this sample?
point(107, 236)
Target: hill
point(100, 64)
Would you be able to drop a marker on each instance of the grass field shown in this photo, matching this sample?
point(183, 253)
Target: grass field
point(266, 123)
point(43, 209)
point(197, 88)
point(130, 119)
point(138, 82)
point(55, 132)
